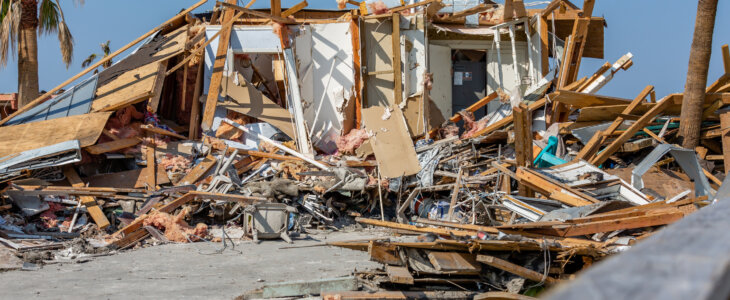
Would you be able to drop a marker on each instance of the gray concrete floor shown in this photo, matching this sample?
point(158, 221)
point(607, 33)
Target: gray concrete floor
point(176, 271)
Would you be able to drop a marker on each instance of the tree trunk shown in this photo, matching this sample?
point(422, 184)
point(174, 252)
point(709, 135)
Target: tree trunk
point(28, 53)
point(699, 62)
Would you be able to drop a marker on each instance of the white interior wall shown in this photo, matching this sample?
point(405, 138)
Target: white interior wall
point(326, 71)
point(439, 63)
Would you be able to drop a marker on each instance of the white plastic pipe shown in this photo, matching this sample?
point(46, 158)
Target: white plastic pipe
point(277, 145)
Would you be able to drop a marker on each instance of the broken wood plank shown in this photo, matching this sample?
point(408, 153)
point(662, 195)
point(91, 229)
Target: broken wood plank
point(215, 80)
point(626, 135)
point(619, 224)
point(515, 269)
point(454, 262)
point(384, 253)
point(399, 275)
point(153, 129)
point(197, 172)
point(112, 146)
point(294, 9)
point(90, 202)
point(275, 18)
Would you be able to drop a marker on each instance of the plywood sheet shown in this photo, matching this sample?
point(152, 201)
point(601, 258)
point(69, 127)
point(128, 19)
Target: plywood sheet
point(249, 101)
point(85, 128)
point(392, 143)
point(127, 86)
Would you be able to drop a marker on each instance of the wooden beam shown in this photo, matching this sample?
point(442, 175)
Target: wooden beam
point(508, 119)
point(725, 137)
point(397, 73)
point(726, 58)
point(216, 78)
point(515, 269)
point(112, 146)
point(149, 173)
point(553, 189)
point(544, 45)
point(626, 135)
point(597, 140)
point(200, 49)
point(619, 224)
point(472, 108)
point(276, 8)
point(409, 6)
point(153, 129)
point(198, 171)
point(89, 201)
point(399, 275)
point(523, 141)
point(581, 100)
point(294, 9)
point(455, 194)
point(48, 94)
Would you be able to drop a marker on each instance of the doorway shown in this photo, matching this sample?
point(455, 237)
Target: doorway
point(469, 83)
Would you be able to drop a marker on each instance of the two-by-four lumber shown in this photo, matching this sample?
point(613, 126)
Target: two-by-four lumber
point(294, 9)
point(106, 59)
point(553, 189)
point(397, 73)
point(112, 146)
point(523, 141)
point(515, 269)
point(275, 18)
point(600, 137)
point(472, 108)
point(399, 275)
point(198, 171)
point(647, 220)
point(508, 119)
point(215, 80)
point(626, 135)
point(90, 202)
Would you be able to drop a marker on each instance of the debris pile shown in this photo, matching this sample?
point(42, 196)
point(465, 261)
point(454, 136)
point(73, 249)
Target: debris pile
point(501, 170)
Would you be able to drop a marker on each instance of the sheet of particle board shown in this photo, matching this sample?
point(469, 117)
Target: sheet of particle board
point(391, 142)
point(85, 128)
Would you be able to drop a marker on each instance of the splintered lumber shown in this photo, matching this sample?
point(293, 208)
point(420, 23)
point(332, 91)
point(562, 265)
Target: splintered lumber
point(581, 100)
point(523, 141)
point(150, 172)
point(455, 194)
point(393, 225)
point(626, 135)
point(515, 269)
point(153, 129)
point(399, 274)
point(472, 108)
point(725, 124)
point(409, 6)
point(619, 224)
point(112, 146)
point(599, 138)
point(90, 202)
point(217, 77)
point(385, 253)
point(508, 119)
point(274, 18)
point(454, 262)
point(198, 171)
point(294, 9)
point(553, 189)
point(102, 61)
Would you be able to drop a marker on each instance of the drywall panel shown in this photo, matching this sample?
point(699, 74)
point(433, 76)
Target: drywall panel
point(414, 59)
point(440, 65)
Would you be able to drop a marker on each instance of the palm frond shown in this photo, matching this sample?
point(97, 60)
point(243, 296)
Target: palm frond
point(106, 51)
point(4, 41)
point(49, 17)
point(4, 6)
point(88, 61)
point(67, 43)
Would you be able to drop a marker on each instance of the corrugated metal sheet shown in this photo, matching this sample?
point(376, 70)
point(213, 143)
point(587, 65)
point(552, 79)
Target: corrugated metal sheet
point(75, 101)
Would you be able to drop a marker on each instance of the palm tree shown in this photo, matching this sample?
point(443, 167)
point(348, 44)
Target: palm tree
point(22, 21)
point(699, 62)
point(105, 50)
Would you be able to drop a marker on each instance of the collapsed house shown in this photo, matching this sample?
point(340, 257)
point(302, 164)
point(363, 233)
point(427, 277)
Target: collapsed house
point(463, 121)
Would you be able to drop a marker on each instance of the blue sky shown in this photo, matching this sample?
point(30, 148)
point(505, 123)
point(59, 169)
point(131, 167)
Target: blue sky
point(658, 33)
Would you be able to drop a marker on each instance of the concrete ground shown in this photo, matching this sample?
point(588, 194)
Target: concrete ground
point(189, 271)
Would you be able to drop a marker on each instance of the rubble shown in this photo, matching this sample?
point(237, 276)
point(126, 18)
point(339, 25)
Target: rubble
point(501, 188)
